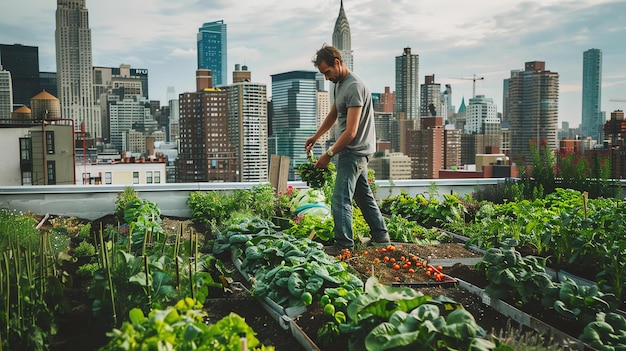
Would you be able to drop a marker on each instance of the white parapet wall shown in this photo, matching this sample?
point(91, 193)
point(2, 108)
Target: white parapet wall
point(95, 201)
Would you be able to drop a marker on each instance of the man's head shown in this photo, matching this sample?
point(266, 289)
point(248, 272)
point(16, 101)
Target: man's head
point(329, 62)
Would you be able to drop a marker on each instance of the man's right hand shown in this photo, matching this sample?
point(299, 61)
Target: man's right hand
point(309, 143)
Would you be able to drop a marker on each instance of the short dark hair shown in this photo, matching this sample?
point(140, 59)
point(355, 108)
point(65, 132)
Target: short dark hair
point(327, 54)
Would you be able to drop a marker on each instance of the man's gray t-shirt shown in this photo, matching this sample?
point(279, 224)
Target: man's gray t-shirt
point(352, 92)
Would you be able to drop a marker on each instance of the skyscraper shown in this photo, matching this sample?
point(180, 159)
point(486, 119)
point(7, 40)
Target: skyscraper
point(74, 66)
point(481, 113)
point(342, 38)
point(592, 118)
point(212, 53)
point(205, 153)
point(294, 119)
point(23, 63)
point(407, 86)
point(6, 94)
point(533, 109)
point(407, 106)
point(426, 148)
point(431, 95)
point(247, 129)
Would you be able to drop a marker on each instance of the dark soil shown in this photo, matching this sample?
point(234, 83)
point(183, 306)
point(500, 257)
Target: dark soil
point(406, 264)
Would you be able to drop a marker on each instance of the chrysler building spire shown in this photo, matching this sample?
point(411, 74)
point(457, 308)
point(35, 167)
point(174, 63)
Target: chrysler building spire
point(341, 37)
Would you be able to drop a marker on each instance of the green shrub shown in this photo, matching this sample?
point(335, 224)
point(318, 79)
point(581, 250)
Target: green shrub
point(84, 249)
point(17, 227)
point(87, 270)
point(123, 199)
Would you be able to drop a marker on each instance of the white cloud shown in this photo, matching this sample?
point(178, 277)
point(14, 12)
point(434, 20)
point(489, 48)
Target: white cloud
point(454, 38)
point(178, 52)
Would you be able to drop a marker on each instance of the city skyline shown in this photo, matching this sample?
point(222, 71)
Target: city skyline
point(453, 40)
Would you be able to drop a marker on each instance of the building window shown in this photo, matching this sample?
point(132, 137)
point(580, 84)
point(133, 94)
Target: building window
point(149, 177)
point(27, 178)
point(50, 142)
point(135, 177)
point(52, 176)
point(157, 177)
point(25, 149)
point(107, 178)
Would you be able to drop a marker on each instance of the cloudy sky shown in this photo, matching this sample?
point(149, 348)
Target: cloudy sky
point(453, 38)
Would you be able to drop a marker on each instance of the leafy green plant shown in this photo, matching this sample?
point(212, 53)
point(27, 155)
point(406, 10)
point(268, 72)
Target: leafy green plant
point(182, 327)
point(386, 318)
point(315, 178)
point(402, 230)
point(30, 286)
point(427, 212)
point(263, 200)
point(87, 270)
point(579, 302)
point(123, 199)
point(144, 218)
point(607, 332)
point(283, 202)
point(208, 207)
point(84, 233)
point(512, 276)
point(304, 225)
point(549, 170)
point(17, 227)
point(84, 249)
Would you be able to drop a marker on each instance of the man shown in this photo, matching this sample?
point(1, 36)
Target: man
point(354, 114)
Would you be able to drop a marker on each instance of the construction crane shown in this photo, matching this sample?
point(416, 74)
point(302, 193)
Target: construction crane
point(473, 79)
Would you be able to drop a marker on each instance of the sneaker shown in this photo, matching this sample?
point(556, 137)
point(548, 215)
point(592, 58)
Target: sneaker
point(370, 242)
point(334, 250)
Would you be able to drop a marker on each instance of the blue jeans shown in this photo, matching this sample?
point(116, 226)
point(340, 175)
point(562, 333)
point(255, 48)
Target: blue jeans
point(351, 183)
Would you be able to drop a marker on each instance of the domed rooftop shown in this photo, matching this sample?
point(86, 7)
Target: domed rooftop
point(22, 109)
point(44, 95)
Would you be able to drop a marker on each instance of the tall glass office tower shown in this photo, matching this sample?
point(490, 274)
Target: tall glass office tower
point(212, 53)
point(533, 109)
point(74, 66)
point(592, 117)
point(294, 104)
point(23, 63)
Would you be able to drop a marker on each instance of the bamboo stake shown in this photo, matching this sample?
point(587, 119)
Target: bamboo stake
point(130, 236)
point(148, 290)
point(196, 254)
point(177, 275)
point(49, 248)
point(18, 273)
point(28, 261)
point(145, 240)
point(191, 266)
point(177, 242)
point(105, 259)
point(585, 200)
point(42, 263)
point(8, 299)
point(163, 245)
point(193, 296)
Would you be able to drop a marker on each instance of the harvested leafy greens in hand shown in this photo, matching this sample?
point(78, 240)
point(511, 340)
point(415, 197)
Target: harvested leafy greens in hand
point(315, 177)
